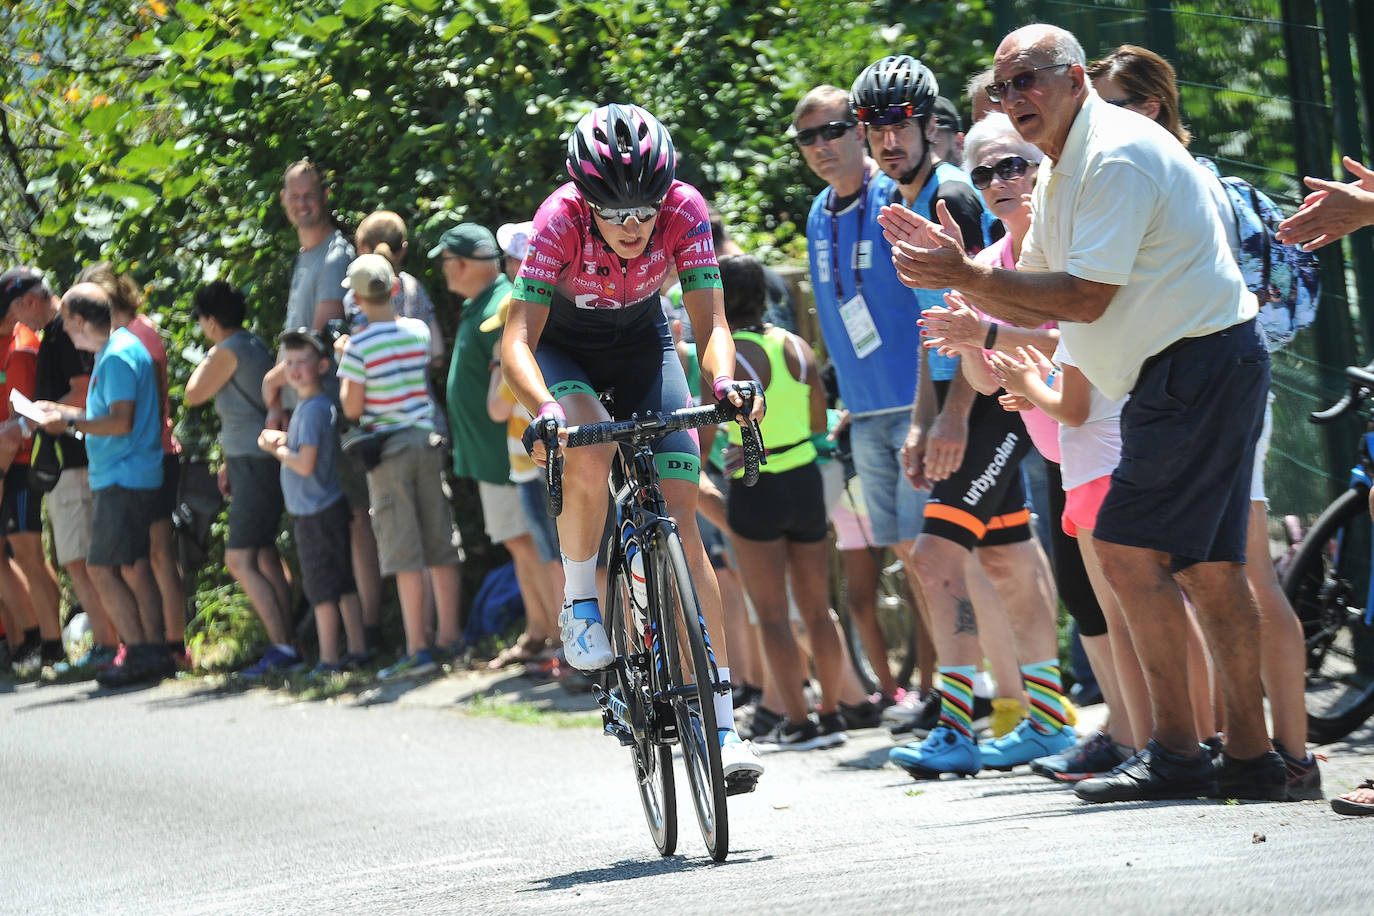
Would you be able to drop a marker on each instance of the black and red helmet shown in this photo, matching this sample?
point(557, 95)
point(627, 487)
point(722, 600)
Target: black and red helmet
point(620, 156)
point(893, 89)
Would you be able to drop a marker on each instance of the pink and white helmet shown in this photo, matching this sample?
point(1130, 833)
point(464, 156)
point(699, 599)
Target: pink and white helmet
point(620, 156)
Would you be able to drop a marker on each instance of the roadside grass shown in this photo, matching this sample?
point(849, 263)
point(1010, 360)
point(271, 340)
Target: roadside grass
point(524, 713)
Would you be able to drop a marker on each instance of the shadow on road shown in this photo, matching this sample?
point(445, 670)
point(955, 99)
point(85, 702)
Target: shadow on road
point(631, 869)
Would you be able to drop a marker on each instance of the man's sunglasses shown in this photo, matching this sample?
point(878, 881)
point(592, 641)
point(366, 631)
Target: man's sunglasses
point(1008, 169)
point(832, 131)
point(1021, 82)
point(870, 114)
point(619, 216)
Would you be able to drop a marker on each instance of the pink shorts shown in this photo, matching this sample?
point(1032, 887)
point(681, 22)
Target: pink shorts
point(852, 531)
point(1081, 505)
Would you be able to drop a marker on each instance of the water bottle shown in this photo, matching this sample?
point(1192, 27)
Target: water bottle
point(634, 562)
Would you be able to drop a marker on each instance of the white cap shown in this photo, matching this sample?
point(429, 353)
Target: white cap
point(514, 239)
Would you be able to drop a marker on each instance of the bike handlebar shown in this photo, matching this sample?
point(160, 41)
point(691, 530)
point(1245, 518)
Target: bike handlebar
point(1360, 388)
point(640, 429)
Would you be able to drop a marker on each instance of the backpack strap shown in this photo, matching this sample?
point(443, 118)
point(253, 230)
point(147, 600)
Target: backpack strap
point(1268, 240)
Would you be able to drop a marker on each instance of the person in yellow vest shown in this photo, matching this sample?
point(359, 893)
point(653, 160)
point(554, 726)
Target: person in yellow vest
point(779, 525)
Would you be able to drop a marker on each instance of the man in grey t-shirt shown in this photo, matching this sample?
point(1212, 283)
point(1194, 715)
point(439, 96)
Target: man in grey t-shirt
point(316, 298)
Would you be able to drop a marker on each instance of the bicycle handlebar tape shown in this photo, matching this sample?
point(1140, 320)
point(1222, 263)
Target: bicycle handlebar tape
point(753, 451)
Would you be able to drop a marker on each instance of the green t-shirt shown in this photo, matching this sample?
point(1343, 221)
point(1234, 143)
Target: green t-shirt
point(479, 442)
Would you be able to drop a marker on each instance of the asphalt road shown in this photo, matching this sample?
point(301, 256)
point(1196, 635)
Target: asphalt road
point(188, 799)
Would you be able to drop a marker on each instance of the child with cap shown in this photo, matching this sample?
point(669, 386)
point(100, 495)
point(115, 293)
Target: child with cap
point(309, 453)
point(382, 372)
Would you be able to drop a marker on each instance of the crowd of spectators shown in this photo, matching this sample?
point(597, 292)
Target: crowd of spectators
point(1118, 341)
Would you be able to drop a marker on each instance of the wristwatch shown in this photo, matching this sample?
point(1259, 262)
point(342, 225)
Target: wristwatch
point(71, 427)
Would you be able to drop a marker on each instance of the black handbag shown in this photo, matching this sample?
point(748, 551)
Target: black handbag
point(365, 447)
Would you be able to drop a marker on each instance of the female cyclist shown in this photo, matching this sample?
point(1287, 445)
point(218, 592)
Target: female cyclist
point(585, 317)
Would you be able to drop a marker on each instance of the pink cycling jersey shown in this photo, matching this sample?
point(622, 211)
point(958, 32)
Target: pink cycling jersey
point(569, 264)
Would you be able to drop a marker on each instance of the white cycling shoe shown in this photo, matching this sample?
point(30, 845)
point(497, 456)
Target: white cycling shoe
point(739, 763)
point(585, 645)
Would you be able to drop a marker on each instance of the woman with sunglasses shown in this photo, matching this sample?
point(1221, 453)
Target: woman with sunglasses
point(1139, 80)
point(585, 317)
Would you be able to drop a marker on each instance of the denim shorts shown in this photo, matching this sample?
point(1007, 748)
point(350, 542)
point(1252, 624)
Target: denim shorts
point(543, 528)
point(1188, 438)
point(895, 507)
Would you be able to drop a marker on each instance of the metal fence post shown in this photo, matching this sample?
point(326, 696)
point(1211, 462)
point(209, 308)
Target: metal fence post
point(1333, 330)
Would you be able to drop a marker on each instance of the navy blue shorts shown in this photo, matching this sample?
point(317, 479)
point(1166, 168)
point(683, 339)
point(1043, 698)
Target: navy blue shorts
point(1188, 438)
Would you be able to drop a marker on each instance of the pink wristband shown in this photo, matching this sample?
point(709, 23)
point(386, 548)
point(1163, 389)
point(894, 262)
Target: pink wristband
point(553, 409)
point(721, 386)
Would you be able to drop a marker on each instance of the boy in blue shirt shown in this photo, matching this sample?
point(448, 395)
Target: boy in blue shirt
point(309, 455)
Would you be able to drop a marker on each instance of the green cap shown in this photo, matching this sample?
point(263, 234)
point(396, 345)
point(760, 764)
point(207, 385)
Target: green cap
point(468, 240)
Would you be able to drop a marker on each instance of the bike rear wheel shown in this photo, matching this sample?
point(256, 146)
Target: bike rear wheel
point(653, 763)
point(1328, 585)
point(691, 674)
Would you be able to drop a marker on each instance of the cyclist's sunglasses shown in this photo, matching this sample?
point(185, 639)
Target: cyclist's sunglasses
point(1021, 82)
point(870, 114)
point(1007, 169)
point(832, 131)
point(619, 216)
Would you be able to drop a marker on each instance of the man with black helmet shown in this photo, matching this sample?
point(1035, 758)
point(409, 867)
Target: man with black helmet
point(968, 451)
point(585, 317)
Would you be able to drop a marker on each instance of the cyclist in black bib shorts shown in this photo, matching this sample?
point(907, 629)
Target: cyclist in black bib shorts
point(585, 317)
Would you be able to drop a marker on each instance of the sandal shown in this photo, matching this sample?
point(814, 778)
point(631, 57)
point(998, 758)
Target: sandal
point(522, 652)
point(1351, 808)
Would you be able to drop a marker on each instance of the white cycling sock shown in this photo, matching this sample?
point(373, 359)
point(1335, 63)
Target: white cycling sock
point(725, 704)
point(982, 685)
point(579, 579)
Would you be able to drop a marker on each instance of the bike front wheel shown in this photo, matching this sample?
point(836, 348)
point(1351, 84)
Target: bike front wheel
point(1328, 586)
point(690, 677)
point(653, 762)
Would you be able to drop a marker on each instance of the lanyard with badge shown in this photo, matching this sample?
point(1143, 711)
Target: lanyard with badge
point(858, 323)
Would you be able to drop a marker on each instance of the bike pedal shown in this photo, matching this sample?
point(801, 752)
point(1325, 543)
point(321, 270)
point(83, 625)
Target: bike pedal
point(620, 733)
point(741, 783)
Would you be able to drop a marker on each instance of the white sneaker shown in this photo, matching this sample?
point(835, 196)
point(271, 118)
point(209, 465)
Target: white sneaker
point(585, 645)
point(739, 763)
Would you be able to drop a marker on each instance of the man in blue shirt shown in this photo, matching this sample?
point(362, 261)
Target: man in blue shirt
point(121, 422)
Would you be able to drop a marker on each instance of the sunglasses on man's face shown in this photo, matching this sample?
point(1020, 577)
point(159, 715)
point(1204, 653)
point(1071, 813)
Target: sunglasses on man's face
point(1007, 169)
point(619, 216)
point(1022, 82)
point(832, 131)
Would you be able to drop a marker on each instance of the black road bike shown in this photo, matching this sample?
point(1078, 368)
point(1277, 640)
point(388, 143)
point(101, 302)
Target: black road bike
point(1329, 585)
point(659, 691)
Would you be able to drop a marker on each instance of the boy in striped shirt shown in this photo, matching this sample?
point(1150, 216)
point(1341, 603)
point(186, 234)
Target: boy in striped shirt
point(382, 384)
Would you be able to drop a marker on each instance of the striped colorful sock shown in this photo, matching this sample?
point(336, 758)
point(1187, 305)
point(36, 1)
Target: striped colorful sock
point(956, 698)
point(1046, 692)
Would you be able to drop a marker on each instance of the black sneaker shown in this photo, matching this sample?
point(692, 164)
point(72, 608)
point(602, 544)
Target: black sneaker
point(1304, 776)
point(833, 723)
point(1262, 778)
point(805, 735)
point(143, 664)
point(867, 714)
point(762, 723)
point(916, 721)
point(745, 694)
point(1153, 773)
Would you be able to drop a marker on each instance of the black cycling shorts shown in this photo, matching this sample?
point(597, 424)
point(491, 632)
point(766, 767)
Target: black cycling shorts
point(636, 360)
point(984, 503)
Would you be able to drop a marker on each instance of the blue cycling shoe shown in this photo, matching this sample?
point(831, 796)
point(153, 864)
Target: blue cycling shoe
point(1025, 743)
point(945, 750)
